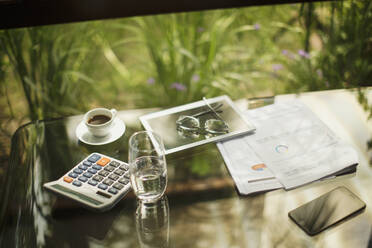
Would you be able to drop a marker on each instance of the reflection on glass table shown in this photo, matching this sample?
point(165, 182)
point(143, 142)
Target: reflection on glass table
point(197, 123)
point(189, 126)
point(152, 223)
point(204, 207)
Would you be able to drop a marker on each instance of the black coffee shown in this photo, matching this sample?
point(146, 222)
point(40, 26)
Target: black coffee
point(98, 119)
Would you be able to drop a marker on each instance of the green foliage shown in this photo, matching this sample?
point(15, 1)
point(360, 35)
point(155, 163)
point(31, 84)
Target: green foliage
point(167, 60)
point(347, 60)
point(344, 58)
point(183, 57)
point(47, 61)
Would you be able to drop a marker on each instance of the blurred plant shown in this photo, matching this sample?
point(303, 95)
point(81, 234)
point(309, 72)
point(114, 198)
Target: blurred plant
point(188, 56)
point(181, 55)
point(46, 61)
point(347, 57)
point(363, 100)
point(303, 73)
point(344, 58)
point(3, 84)
point(367, 106)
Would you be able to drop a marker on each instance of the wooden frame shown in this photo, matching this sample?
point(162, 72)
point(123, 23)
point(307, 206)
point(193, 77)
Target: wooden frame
point(26, 13)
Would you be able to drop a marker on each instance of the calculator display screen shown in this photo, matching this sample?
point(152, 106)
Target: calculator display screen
point(81, 196)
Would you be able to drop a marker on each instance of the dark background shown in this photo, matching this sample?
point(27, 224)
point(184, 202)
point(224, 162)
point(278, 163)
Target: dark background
point(26, 13)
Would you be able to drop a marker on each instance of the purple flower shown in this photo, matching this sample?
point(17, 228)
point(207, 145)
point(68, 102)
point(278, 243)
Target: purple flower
point(277, 67)
point(195, 78)
point(288, 54)
point(150, 80)
point(200, 29)
point(257, 26)
point(320, 73)
point(178, 86)
point(304, 54)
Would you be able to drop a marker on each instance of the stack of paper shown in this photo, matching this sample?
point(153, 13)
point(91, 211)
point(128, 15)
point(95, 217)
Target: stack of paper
point(291, 147)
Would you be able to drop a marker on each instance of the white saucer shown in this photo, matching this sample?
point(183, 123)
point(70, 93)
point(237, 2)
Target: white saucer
point(117, 130)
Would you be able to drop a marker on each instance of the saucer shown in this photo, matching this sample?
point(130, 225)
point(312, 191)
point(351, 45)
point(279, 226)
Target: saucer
point(117, 130)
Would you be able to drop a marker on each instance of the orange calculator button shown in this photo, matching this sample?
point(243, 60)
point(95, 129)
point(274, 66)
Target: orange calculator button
point(68, 179)
point(103, 161)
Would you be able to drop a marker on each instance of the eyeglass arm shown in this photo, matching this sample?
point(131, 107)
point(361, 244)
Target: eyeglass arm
point(211, 108)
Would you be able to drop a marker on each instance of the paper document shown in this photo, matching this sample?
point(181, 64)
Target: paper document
point(293, 145)
point(246, 168)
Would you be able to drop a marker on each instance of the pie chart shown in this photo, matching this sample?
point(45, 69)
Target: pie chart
point(281, 148)
point(258, 167)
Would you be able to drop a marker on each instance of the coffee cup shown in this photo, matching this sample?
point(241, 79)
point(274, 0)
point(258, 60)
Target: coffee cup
point(99, 121)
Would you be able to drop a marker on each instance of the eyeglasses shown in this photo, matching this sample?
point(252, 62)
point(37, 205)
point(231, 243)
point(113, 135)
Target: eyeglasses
point(189, 125)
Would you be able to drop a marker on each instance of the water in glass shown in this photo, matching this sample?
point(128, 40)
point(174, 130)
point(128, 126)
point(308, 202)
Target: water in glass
point(149, 177)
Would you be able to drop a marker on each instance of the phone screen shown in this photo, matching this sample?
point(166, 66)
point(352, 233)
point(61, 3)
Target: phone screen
point(326, 210)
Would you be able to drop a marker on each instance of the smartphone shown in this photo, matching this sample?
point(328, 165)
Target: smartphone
point(326, 210)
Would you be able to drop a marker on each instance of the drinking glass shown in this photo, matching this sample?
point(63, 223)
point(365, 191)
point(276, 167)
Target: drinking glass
point(147, 166)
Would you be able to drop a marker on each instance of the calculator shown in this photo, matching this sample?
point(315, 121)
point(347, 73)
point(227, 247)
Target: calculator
point(98, 182)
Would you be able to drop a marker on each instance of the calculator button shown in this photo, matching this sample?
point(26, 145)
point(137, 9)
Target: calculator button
point(73, 175)
point(104, 173)
point(124, 167)
point(103, 161)
point(87, 174)
point(102, 186)
point(108, 181)
point(109, 168)
point(119, 172)
point(98, 178)
point(93, 158)
point(96, 167)
point(68, 179)
point(118, 186)
point(93, 182)
point(127, 175)
point(78, 171)
point(83, 167)
point(124, 180)
point(93, 171)
point(76, 183)
point(114, 177)
point(83, 179)
point(115, 163)
point(113, 191)
point(87, 163)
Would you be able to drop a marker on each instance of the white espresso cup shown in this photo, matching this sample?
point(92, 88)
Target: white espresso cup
point(99, 121)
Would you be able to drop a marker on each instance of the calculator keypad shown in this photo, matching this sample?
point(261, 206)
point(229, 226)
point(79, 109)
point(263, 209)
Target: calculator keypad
point(73, 175)
point(109, 168)
point(103, 161)
point(78, 171)
point(93, 182)
point(123, 181)
point(93, 158)
point(67, 179)
point(102, 173)
point(87, 163)
point(77, 183)
point(98, 178)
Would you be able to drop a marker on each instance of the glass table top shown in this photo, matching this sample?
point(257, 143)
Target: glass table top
point(201, 207)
